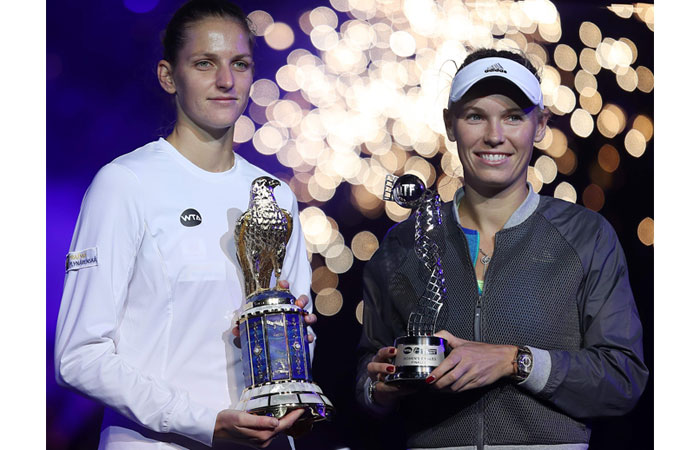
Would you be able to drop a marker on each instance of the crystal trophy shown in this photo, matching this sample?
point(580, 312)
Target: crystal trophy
point(274, 345)
point(419, 352)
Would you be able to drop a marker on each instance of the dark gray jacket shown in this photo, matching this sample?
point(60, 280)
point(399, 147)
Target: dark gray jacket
point(558, 283)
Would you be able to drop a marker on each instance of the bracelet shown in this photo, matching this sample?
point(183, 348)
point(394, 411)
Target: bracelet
point(370, 390)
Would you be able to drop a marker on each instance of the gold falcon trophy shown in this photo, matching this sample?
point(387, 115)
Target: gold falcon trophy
point(274, 345)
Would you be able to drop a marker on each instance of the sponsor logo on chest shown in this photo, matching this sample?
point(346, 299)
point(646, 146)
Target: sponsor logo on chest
point(190, 217)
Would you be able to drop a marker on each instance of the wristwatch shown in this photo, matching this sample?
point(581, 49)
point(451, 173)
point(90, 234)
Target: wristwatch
point(522, 364)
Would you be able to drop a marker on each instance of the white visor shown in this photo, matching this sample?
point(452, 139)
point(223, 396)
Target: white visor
point(512, 71)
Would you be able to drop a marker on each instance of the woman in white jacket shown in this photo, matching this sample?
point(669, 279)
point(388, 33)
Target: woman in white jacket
point(152, 283)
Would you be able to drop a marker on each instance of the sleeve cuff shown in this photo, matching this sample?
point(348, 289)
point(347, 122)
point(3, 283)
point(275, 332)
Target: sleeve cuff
point(194, 421)
point(541, 367)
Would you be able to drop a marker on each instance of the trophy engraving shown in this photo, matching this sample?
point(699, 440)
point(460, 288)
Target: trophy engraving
point(419, 352)
point(274, 346)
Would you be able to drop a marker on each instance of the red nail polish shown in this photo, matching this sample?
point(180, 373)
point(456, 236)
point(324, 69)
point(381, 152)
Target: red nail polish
point(430, 379)
point(392, 351)
point(391, 369)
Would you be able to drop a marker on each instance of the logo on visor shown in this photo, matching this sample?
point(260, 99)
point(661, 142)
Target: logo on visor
point(190, 218)
point(495, 68)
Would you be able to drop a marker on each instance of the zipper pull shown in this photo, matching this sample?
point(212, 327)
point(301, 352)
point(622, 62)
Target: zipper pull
point(477, 320)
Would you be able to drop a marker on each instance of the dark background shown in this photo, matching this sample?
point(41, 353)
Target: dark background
point(103, 100)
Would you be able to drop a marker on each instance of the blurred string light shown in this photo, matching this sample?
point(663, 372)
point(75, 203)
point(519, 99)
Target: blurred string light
point(368, 102)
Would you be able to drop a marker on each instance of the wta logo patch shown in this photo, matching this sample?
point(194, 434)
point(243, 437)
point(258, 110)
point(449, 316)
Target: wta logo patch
point(190, 218)
point(82, 259)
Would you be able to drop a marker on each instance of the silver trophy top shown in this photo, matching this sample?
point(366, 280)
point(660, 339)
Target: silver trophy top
point(262, 233)
point(409, 191)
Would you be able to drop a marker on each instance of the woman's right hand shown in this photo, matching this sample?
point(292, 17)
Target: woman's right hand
point(386, 395)
point(251, 430)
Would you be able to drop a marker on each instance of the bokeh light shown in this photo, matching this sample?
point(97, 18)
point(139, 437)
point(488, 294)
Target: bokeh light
point(402, 43)
point(593, 197)
point(628, 79)
point(558, 145)
point(608, 158)
point(323, 278)
point(622, 10)
point(611, 120)
point(447, 186)
point(323, 15)
point(593, 103)
point(567, 163)
point(534, 177)
point(565, 191)
point(645, 79)
point(565, 100)
point(328, 302)
point(632, 46)
point(364, 244)
point(585, 83)
point(565, 57)
point(635, 143)
point(589, 61)
point(546, 140)
point(340, 262)
point(260, 21)
point(324, 37)
point(644, 125)
point(396, 212)
point(582, 123)
point(263, 92)
point(645, 231)
point(243, 130)
point(279, 36)
point(590, 34)
point(547, 169)
point(359, 311)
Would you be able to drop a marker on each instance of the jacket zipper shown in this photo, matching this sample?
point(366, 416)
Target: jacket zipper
point(477, 337)
point(482, 403)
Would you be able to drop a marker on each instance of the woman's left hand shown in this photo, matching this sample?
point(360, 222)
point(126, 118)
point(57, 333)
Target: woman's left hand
point(301, 302)
point(471, 364)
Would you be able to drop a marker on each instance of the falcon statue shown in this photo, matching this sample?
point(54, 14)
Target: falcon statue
point(262, 233)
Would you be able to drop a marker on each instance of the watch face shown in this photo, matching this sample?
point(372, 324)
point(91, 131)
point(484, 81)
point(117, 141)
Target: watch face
point(525, 362)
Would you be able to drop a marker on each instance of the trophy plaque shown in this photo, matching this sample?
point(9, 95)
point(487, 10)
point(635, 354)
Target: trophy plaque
point(419, 352)
point(274, 345)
